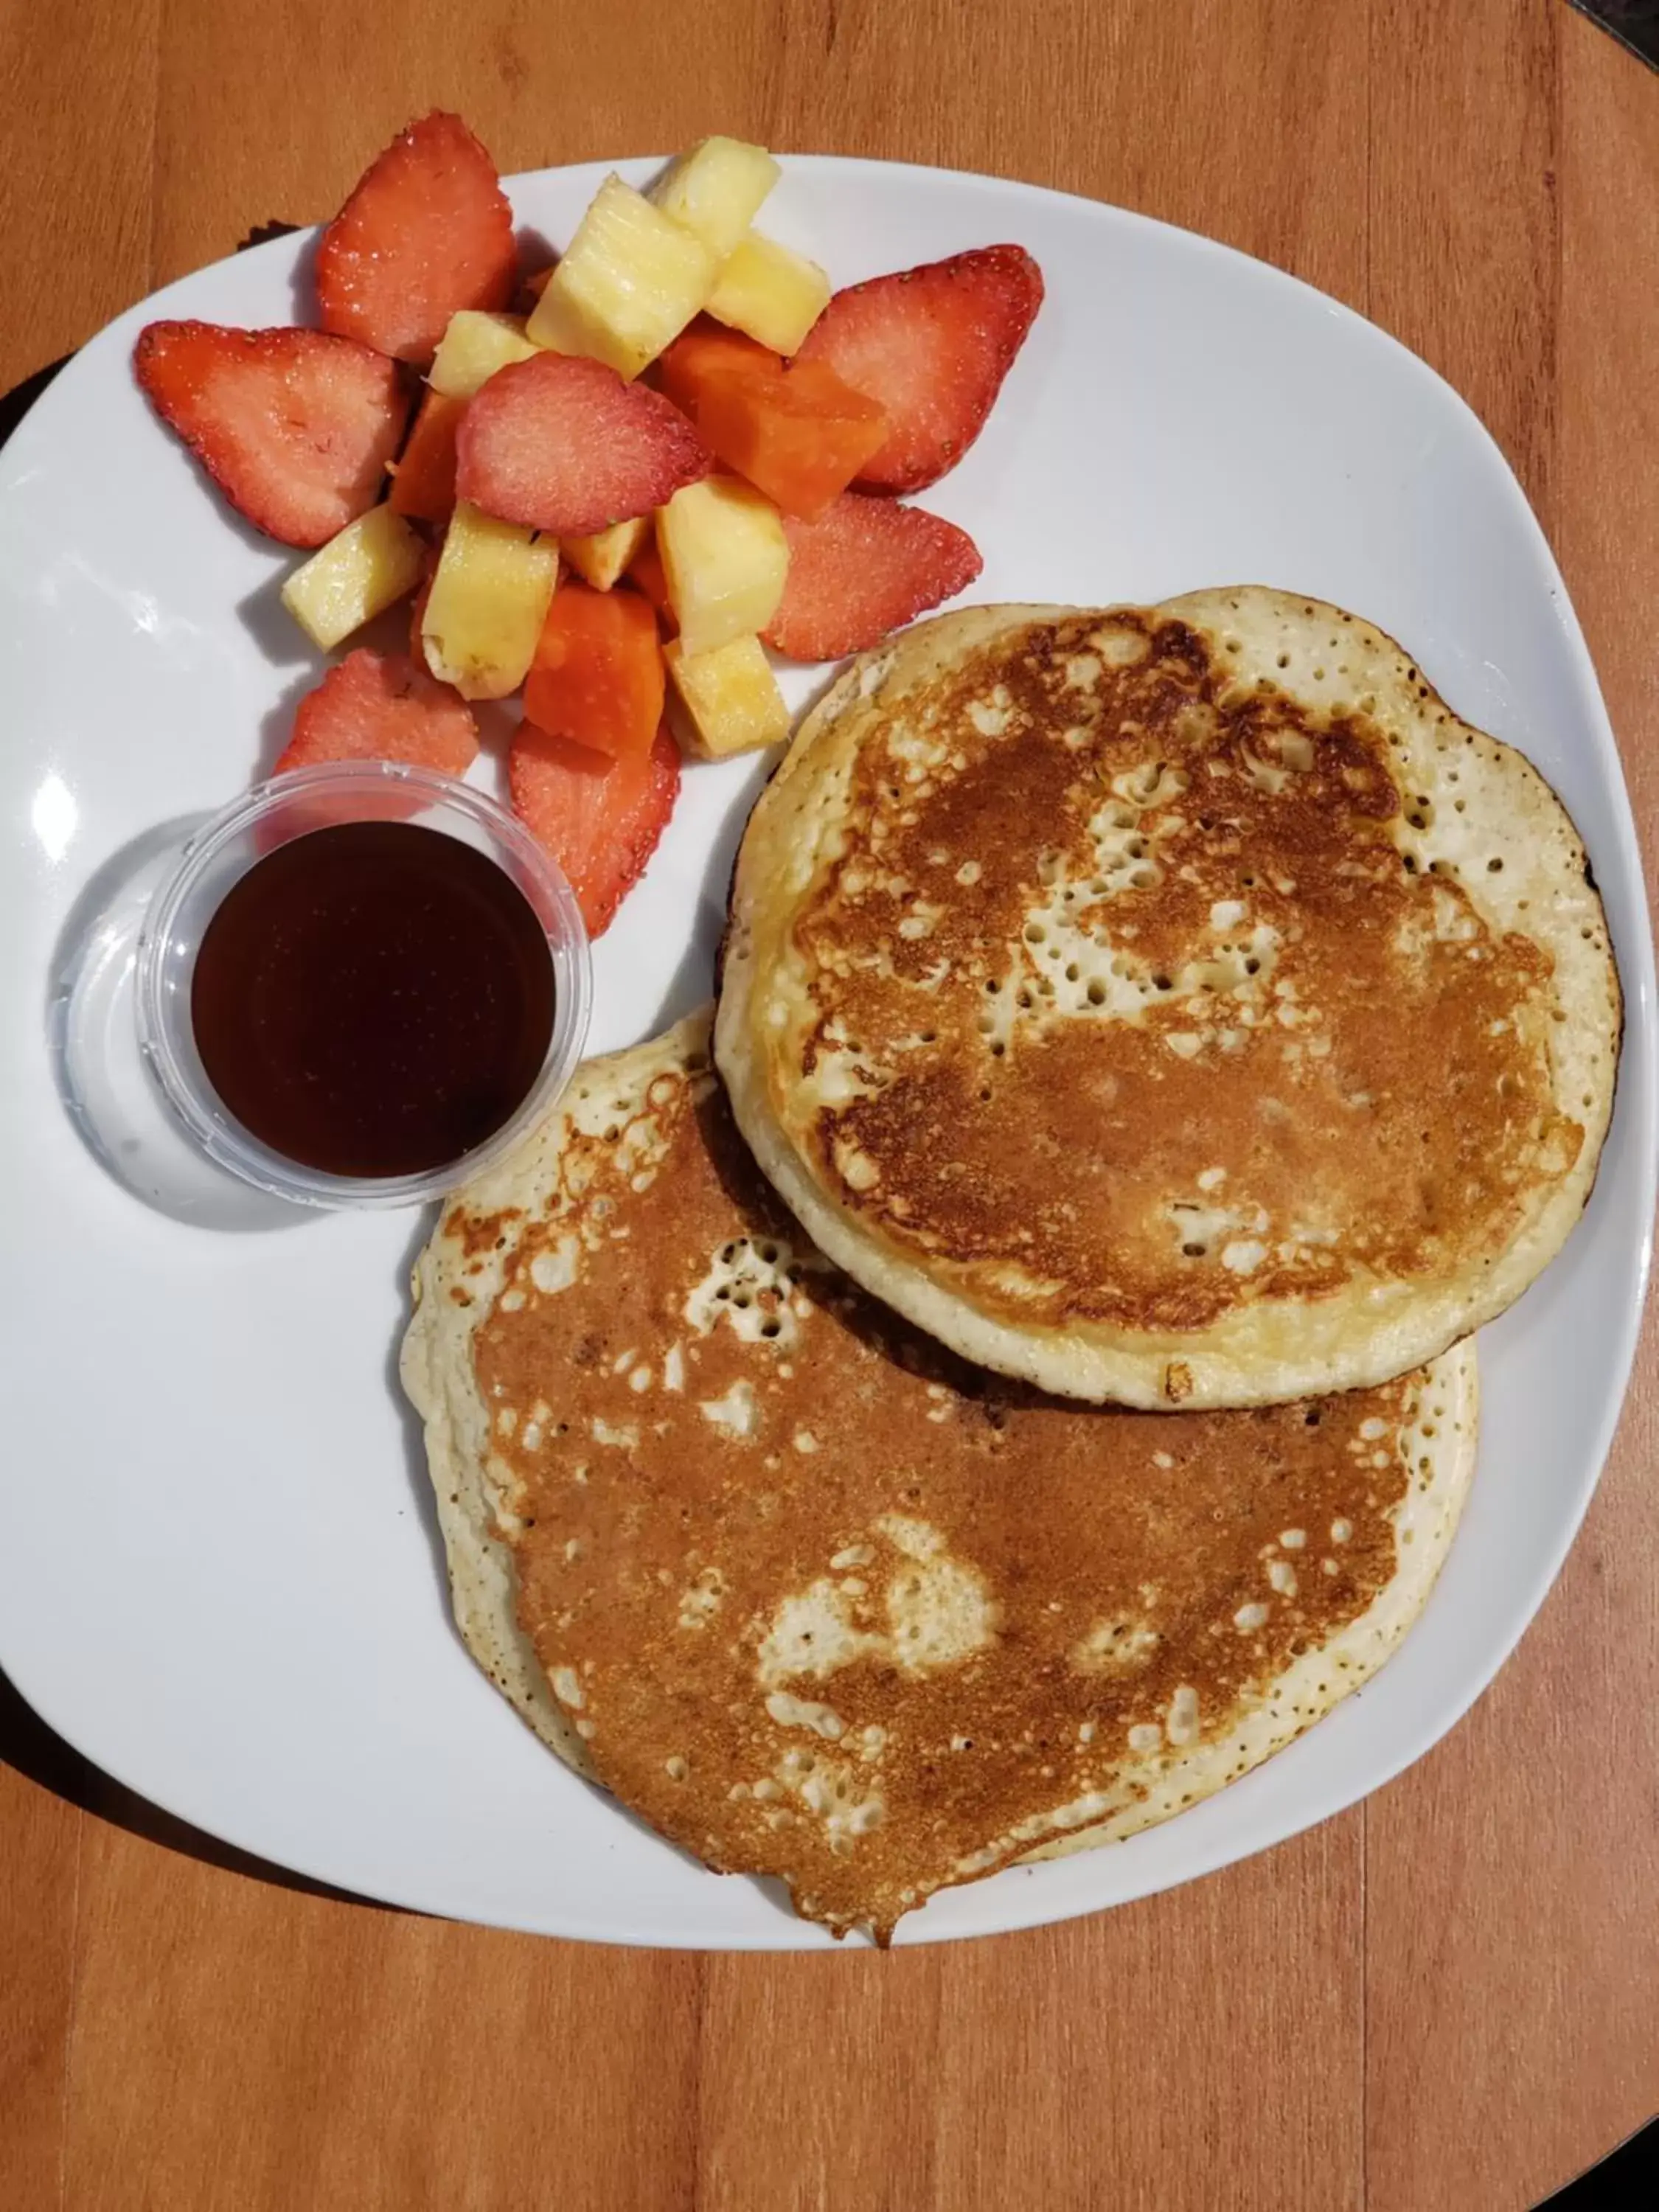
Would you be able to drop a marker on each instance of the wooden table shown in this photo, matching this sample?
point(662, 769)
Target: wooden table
point(1446, 1997)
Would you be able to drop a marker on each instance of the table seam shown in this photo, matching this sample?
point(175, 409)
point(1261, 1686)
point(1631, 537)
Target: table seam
point(72, 2010)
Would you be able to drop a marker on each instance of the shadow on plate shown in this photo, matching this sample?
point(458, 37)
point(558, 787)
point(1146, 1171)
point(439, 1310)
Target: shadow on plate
point(303, 284)
point(410, 1425)
point(283, 643)
point(535, 249)
point(274, 630)
point(692, 983)
point(32, 1749)
point(277, 723)
point(111, 1099)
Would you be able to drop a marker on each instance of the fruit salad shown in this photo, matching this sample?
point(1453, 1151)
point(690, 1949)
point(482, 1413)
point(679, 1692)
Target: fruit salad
point(613, 490)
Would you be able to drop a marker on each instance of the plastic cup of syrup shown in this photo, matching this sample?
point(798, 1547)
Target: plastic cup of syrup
point(361, 985)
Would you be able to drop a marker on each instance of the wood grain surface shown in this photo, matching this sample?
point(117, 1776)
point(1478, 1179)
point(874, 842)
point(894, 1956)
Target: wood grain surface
point(1447, 1998)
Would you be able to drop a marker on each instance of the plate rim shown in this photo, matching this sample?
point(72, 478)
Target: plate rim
point(1636, 1094)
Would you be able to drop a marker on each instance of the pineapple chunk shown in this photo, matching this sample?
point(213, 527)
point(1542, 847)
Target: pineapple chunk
point(489, 601)
point(731, 697)
point(725, 558)
point(630, 283)
point(600, 559)
point(769, 292)
point(474, 346)
point(716, 190)
point(361, 571)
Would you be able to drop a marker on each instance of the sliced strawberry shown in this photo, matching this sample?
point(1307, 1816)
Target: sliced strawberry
point(295, 427)
point(933, 344)
point(427, 231)
point(561, 444)
point(378, 706)
point(864, 566)
point(599, 820)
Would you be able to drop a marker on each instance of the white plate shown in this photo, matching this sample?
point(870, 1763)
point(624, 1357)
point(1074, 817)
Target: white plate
point(218, 1571)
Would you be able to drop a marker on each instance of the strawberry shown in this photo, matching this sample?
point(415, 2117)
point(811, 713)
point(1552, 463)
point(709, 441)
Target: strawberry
point(599, 820)
point(932, 345)
point(861, 569)
point(561, 444)
point(376, 706)
point(427, 230)
point(296, 427)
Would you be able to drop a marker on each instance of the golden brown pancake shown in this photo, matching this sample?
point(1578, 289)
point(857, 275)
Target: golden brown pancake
point(822, 1602)
point(1176, 1004)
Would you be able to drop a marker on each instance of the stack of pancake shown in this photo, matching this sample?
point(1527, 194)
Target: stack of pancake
point(1007, 1371)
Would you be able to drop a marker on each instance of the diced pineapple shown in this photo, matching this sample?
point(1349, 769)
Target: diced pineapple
point(600, 559)
point(489, 601)
point(473, 348)
point(769, 292)
point(716, 190)
point(631, 281)
point(731, 697)
point(725, 558)
point(360, 572)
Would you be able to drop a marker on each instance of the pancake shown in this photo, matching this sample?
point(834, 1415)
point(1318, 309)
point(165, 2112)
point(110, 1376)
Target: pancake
point(821, 1601)
point(1176, 1006)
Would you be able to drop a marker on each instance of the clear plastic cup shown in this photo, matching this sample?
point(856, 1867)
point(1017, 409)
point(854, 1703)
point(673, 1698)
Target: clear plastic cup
point(271, 815)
